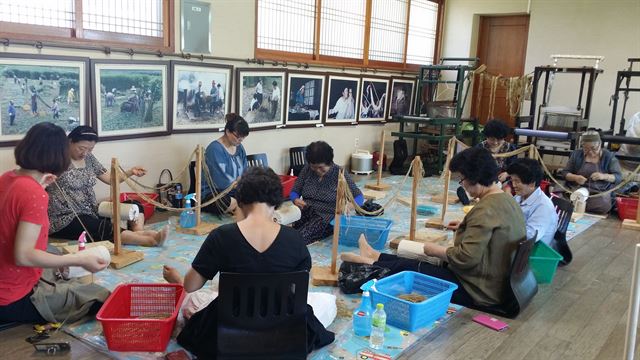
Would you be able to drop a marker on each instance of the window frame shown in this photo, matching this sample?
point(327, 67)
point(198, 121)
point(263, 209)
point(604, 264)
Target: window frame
point(78, 34)
point(317, 59)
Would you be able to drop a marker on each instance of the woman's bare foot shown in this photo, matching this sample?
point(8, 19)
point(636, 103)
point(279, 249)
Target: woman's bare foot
point(171, 275)
point(355, 258)
point(161, 236)
point(366, 250)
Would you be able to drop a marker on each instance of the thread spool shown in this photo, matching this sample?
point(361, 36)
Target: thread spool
point(287, 215)
point(128, 212)
point(579, 200)
point(101, 251)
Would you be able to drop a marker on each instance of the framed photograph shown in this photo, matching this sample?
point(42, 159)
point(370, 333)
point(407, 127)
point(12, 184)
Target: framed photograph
point(373, 101)
point(260, 97)
point(200, 96)
point(401, 97)
point(36, 88)
point(130, 98)
point(342, 95)
point(305, 99)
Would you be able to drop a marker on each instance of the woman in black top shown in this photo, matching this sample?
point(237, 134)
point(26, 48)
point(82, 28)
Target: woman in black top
point(255, 244)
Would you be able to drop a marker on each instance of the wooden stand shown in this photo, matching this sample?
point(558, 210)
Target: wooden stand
point(439, 223)
point(420, 237)
point(72, 249)
point(379, 186)
point(323, 275)
point(201, 228)
point(120, 257)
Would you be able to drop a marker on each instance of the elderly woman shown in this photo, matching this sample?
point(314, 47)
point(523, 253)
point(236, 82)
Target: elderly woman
point(595, 168)
point(314, 192)
point(226, 160)
point(72, 202)
point(496, 132)
point(485, 241)
point(255, 244)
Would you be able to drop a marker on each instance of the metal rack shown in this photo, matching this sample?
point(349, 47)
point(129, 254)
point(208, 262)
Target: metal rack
point(588, 76)
point(432, 125)
point(623, 76)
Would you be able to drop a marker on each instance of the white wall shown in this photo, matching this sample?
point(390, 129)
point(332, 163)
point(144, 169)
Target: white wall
point(584, 27)
point(232, 36)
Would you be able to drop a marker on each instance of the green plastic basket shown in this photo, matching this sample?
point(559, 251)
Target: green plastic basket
point(544, 262)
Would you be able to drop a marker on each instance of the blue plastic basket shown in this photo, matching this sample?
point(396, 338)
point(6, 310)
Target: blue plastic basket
point(376, 230)
point(407, 315)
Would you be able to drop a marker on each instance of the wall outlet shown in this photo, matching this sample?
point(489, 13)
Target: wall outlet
point(357, 142)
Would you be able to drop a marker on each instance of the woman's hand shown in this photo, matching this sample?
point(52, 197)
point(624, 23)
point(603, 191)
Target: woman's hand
point(299, 203)
point(92, 262)
point(453, 225)
point(438, 251)
point(578, 179)
point(502, 177)
point(137, 171)
point(597, 176)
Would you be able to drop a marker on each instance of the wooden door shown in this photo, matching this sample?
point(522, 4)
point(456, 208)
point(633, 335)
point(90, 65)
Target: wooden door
point(502, 47)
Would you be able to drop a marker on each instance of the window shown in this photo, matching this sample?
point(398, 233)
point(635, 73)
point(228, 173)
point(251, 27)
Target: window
point(130, 23)
point(380, 33)
point(309, 92)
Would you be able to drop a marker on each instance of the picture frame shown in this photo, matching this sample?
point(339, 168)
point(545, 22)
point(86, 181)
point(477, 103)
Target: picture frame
point(341, 104)
point(409, 87)
point(58, 85)
point(130, 98)
point(305, 99)
point(374, 99)
point(254, 92)
point(205, 112)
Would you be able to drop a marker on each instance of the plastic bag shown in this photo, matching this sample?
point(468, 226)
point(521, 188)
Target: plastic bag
point(352, 275)
point(370, 206)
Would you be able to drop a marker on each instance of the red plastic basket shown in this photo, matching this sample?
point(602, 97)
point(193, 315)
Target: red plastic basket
point(627, 208)
point(148, 208)
point(287, 184)
point(130, 320)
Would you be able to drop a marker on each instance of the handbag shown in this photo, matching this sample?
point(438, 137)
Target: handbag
point(163, 192)
point(352, 276)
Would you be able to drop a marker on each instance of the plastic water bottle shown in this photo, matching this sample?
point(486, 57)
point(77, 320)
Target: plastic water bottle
point(362, 316)
point(378, 326)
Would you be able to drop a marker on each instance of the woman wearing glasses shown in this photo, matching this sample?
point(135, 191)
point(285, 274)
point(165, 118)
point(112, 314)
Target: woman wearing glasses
point(484, 244)
point(226, 160)
point(595, 168)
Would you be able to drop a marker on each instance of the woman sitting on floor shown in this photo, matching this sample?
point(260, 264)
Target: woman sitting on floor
point(539, 213)
point(314, 192)
point(485, 242)
point(73, 191)
point(255, 244)
point(226, 160)
point(595, 168)
point(41, 156)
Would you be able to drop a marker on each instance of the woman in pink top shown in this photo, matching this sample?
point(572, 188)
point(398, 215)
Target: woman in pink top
point(41, 156)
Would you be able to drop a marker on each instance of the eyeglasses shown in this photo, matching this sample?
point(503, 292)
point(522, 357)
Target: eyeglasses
point(461, 180)
point(240, 138)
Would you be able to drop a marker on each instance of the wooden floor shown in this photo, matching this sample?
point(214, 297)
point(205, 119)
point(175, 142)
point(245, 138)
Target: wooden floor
point(582, 315)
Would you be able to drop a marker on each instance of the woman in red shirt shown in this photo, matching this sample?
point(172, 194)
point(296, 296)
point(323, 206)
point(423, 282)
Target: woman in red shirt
point(41, 156)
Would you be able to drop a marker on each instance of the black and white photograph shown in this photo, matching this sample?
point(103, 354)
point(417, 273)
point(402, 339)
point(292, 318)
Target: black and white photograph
point(200, 95)
point(260, 97)
point(341, 99)
point(401, 101)
point(373, 101)
point(130, 101)
point(305, 99)
point(34, 89)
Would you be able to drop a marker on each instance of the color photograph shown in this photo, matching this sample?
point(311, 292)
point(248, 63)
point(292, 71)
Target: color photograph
point(305, 99)
point(260, 98)
point(373, 101)
point(130, 100)
point(401, 101)
point(200, 95)
point(33, 90)
point(341, 99)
